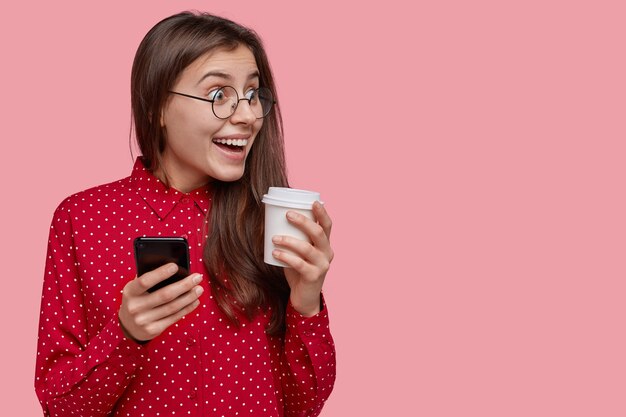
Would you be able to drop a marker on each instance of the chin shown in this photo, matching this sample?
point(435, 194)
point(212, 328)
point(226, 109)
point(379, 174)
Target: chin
point(229, 175)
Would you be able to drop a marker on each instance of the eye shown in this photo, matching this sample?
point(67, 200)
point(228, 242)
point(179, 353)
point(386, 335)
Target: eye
point(252, 95)
point(217, 95)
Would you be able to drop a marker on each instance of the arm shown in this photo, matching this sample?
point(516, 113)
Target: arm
point(77, 374)
point(308, 368)
point(308, 365)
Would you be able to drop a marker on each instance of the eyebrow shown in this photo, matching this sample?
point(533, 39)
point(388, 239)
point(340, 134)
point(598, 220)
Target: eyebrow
point(225, 76)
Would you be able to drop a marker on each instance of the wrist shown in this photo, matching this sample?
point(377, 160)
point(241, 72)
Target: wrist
point(308, 307)
point(128, 335)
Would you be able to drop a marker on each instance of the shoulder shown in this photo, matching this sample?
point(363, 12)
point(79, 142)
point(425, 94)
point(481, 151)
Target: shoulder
point(95, 198)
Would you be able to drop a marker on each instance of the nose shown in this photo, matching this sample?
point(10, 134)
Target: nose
point(243, 113)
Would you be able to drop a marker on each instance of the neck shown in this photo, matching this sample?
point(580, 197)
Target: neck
point(179, 181)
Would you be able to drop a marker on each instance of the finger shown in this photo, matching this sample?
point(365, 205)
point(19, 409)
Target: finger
point(158, 327)
point(293, 261)
point(304, 249)
point(322, 217)
point(314, 231)
point(141, 284)
point(173, 307)
point(173, 291)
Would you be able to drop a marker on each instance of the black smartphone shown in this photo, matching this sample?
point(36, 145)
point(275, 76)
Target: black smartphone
point(153, 252)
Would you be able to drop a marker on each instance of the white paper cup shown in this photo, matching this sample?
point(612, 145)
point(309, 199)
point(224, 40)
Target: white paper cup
point(278, 201)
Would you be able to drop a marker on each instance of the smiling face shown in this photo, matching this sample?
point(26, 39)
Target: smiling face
point(199, 146)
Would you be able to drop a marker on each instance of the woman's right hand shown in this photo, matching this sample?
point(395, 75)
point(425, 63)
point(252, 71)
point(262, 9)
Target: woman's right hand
point(145, 315)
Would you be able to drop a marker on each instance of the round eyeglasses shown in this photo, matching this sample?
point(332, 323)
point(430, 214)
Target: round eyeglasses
point(224, 101)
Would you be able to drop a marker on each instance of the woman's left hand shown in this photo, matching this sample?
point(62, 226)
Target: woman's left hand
point(309, 262)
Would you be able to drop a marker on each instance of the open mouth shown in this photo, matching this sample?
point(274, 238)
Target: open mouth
point(231, 145)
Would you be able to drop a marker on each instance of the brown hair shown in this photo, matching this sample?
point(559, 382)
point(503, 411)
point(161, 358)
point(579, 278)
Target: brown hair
point(241, 282)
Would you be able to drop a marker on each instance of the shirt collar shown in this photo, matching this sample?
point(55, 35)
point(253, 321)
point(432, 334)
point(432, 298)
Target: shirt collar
point(163, 199)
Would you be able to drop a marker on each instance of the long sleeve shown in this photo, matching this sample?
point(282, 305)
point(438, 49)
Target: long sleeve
point(308, 365)
point(201, 366)
point(83, 364)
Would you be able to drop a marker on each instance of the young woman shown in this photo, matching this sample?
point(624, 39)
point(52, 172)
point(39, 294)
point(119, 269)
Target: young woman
point(237, 336)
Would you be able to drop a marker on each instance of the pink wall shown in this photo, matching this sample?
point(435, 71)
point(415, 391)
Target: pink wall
point(472, 157)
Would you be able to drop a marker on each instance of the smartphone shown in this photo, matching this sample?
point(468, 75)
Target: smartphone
point(153, 252)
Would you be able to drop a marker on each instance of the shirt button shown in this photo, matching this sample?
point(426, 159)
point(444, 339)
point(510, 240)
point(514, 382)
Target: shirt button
point(193, 394)
point(191, 342)
point(185, 200)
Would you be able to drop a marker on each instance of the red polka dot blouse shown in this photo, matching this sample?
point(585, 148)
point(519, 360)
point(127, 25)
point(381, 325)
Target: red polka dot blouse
point(200, 366)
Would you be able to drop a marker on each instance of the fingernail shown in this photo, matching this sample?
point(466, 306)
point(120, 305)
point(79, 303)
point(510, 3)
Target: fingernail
point(276, 253)
point(291, 215)
point(172, 268)
point(277, 239)
point(197, 279)
point(199, 291)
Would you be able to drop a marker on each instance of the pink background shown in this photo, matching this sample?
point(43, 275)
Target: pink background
point(472, 157)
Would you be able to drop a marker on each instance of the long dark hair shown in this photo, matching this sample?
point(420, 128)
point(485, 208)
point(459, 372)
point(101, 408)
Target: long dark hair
point(241, 282)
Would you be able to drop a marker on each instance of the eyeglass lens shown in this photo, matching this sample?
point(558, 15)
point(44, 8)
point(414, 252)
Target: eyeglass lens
point(226, 100)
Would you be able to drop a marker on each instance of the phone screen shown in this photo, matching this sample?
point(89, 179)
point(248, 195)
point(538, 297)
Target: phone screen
point(153, 252)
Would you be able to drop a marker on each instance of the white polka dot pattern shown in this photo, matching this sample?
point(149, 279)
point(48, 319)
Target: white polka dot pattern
point(202, 365)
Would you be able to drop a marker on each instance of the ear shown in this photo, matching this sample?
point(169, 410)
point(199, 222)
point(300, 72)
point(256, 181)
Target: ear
point(162, 119)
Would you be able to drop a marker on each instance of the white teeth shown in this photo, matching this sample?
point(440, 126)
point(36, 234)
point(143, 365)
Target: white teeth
point(234, 142)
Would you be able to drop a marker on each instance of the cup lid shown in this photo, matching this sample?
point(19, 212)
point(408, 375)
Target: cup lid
point(291, 197)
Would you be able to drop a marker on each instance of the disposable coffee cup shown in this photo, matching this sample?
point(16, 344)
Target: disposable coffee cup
point(278, 201)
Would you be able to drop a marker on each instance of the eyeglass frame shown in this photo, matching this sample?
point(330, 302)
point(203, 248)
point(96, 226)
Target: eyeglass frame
point(238, 100)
